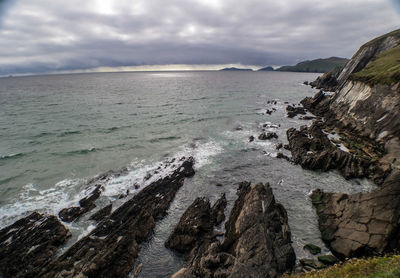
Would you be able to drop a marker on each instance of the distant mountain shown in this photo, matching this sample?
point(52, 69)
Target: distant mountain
point(317, 65)
point(235, 69)
point(267, 69)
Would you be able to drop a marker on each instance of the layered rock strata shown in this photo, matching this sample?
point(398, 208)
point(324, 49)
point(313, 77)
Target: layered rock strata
point(361, 224)
point(28, 245)
point(257, 240)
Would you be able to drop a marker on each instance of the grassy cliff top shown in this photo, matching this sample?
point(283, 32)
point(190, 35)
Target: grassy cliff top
point(388, 266)
point(384, 69)
point(317, 65)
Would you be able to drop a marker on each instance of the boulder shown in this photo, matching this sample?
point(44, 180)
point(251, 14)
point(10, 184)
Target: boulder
point(294, 111)
point(360, 224)
point(28, 245)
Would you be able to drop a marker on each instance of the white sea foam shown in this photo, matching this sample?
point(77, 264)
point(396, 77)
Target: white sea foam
point(67, 193)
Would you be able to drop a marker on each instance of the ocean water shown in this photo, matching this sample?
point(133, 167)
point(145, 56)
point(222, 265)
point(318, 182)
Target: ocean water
point(57, 132)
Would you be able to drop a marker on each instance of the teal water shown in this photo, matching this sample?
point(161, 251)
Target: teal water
point(57, 132)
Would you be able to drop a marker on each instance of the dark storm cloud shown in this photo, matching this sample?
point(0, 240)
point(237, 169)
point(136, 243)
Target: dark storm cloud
point(45, 35)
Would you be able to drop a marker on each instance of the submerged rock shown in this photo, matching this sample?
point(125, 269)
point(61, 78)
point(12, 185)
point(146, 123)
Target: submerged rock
point(267, 136)
point(30, 244)
point(111, 248)
point(257, 240)
point(314, 249)
point(360, 224)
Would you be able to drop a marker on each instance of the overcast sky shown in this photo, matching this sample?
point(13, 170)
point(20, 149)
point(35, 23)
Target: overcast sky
point(47, 35)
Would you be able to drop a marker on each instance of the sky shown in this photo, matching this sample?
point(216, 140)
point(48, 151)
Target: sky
point(52, 35)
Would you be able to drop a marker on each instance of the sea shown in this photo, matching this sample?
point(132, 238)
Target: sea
point(58, 132)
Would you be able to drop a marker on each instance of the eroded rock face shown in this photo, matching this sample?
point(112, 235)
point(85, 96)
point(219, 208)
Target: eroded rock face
point(361, 224)
point(111, 248)
point(196, 225)
point(30, 244)
point(312, 149)
point(257, 240)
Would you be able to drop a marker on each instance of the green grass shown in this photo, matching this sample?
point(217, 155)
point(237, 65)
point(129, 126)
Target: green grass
point(376, 267)
point(385, 69)
point(318, 65)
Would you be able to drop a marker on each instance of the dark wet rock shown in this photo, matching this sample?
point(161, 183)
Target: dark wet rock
point(102, 213)
point(286, 147)
point(293, 111)
point(279, 146)
point(251, 138)
point(305, 83)
point(111, 248)
point(85, 204)
point(30, 244)
point(219, 184)
point(311, 148)
point(281, 155)
point(318, 104)
point(196, 226)
point(217, 210)
point(328, 259)
point(360, 224)
point(257, 240)
point(312, 264)
point(307, 118)
point(267, 136)
point(328, 81)
point(136, 185)
point(312, 248)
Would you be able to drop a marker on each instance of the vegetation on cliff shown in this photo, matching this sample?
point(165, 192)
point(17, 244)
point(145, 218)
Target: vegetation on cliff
point(385, 69)
point(317, 65)
point(387, 266)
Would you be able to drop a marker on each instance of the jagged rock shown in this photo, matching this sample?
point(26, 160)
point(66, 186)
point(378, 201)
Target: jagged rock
point(30, 244)
point(279, 146)
point(257, 240)
point(251, 138)
point(217, 210)
point(318, 104)
point(312, 149)
point(314, 249)
point(111, 248)
point(85, 204)
point(360, 224)
point(267, 136)
point(294, 111)
point(102, 213)
point(194, 225)
point(281, 155)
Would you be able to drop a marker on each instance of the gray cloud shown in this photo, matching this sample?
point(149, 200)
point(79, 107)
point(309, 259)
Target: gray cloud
point(46, 35)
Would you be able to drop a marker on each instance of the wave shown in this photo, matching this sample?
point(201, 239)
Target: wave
point(66, 133)
point(11, 156)
point(168, 138)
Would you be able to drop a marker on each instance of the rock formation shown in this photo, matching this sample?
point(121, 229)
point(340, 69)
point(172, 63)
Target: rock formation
point(111, 248)
point(361, 224)
point(30, 244)
point(257, 240)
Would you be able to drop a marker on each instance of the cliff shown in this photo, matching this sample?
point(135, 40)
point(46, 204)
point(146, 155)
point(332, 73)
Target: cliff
point(364, 117)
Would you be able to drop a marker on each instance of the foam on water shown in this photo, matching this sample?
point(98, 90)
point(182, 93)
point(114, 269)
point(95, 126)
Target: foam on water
point(68, 192)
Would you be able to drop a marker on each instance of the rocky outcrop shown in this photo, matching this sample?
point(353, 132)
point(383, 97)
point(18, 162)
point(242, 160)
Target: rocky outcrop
point(111, 248)
point(312, 149)
point(267, 136)
point(85, 204)
point(196, 226)
point(30, 244)
point(361, 224)
point(293, 111)
point(257, 240)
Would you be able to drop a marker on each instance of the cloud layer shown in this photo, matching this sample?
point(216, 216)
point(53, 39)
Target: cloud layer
point(48, 35)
